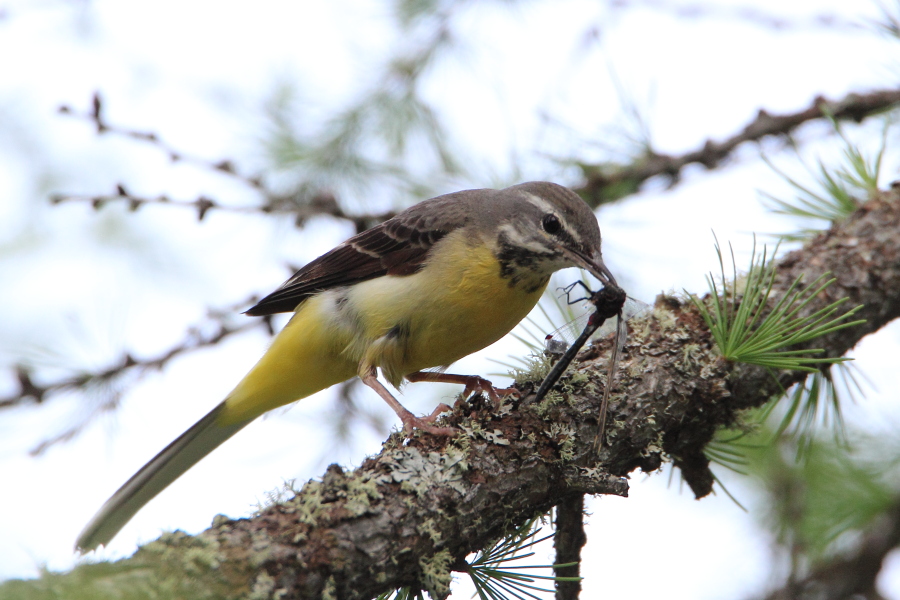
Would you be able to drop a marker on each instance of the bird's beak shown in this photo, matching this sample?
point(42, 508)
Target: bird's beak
point(593, 265)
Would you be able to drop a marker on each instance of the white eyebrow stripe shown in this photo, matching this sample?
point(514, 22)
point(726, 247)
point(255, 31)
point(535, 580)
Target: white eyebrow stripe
point(541, 203)
point(520, 241)
point(547, 207)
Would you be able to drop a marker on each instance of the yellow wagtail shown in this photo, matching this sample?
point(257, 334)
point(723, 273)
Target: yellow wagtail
point(437, 282)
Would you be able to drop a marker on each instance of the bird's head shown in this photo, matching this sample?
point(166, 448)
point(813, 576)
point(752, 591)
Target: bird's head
point(542, 227)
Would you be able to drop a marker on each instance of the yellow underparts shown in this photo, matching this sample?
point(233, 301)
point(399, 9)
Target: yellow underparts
point(457, 304)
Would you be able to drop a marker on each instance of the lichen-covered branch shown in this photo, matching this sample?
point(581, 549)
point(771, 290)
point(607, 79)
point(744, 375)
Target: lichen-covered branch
point(411, 514)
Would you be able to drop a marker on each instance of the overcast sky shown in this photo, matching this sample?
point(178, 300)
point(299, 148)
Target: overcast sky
point(82, 285)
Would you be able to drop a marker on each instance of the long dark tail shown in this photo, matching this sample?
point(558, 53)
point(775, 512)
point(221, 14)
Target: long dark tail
point(191, 446)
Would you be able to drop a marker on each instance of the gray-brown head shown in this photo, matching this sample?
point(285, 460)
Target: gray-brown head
point(542, 227)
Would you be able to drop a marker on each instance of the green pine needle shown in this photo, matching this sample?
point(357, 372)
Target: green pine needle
point(492, 573)
point(495, 579)
point(745, 332)
point(837, 191)
point(828, 500)
point(404, 593)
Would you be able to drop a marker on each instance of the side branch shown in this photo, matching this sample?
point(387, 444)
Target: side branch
point(608, 183)
point(853, 575)
point(197, 337)
point(302, 204)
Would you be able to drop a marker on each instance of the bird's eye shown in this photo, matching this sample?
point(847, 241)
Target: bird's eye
point(551, 224)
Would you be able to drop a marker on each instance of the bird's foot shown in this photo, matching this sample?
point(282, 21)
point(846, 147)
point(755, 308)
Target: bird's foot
point(473, 383)
point(480, 385)
point(411, 422)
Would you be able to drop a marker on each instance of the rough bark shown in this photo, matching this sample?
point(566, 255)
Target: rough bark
point(412, 513)
point(570, 538)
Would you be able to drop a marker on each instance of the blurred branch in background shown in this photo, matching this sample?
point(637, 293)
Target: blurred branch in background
point(745, 14)
point(301, 206)
point(610, 182)
point(96, 116)
point(127, 371)
point(835, 515)
point(604, 183)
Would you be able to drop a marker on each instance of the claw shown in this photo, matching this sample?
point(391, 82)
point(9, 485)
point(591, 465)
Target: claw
point(481, 385)
point(473, 384)
point(411, 422)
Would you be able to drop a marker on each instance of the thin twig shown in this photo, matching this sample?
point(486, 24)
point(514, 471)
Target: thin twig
point(747, 14)
point(605, 182)
point(853, 574)
point(96, 116)
point(196, 338)
point(302, 208)
point(303, 204)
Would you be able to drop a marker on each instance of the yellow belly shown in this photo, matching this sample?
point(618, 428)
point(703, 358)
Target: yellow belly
point(304, 358)
point(457, 304)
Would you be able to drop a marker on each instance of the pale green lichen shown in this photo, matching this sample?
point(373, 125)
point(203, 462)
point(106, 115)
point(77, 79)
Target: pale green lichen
point(551, 400)
point(417, 473)
point(279, 495)
point(537, 365)
point(429, 528)
point(436, 574)
point(577, 379)
point(307, 505)
point(360, 493)
point(665, 318)
point(462, 441)
point(220, 520)
point(329, 591)
point(261, 544)
point(690, 357)
point(197, 554)
point(564, 435)
point(494, 437)
point(264, 588)
point(636, 368)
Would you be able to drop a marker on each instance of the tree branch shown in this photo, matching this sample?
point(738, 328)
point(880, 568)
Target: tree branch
point(747, 14)
point(302, 206)
point(604, 182)
point(570, 538)
point(303, 203)
point(409, 515)
point(609, 182)
point(851, 575)
point(97, 117)
point(197, 337)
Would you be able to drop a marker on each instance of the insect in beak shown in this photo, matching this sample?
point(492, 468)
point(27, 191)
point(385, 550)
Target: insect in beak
point(608, 302)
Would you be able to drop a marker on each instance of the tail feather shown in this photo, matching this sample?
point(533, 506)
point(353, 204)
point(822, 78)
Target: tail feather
point(203, 437)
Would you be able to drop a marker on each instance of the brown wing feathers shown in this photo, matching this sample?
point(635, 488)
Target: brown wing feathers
point(394, 247)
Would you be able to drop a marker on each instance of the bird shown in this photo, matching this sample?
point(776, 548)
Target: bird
point(436, 282)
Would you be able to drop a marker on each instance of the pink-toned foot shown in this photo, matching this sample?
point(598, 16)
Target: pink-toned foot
point(483, 386)
point(410, 422)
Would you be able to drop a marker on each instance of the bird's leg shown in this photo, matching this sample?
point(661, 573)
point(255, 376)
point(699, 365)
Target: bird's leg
point(410, 421)
point(473, 384)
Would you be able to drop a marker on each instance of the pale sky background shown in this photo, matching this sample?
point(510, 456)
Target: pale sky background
point(82, 285)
